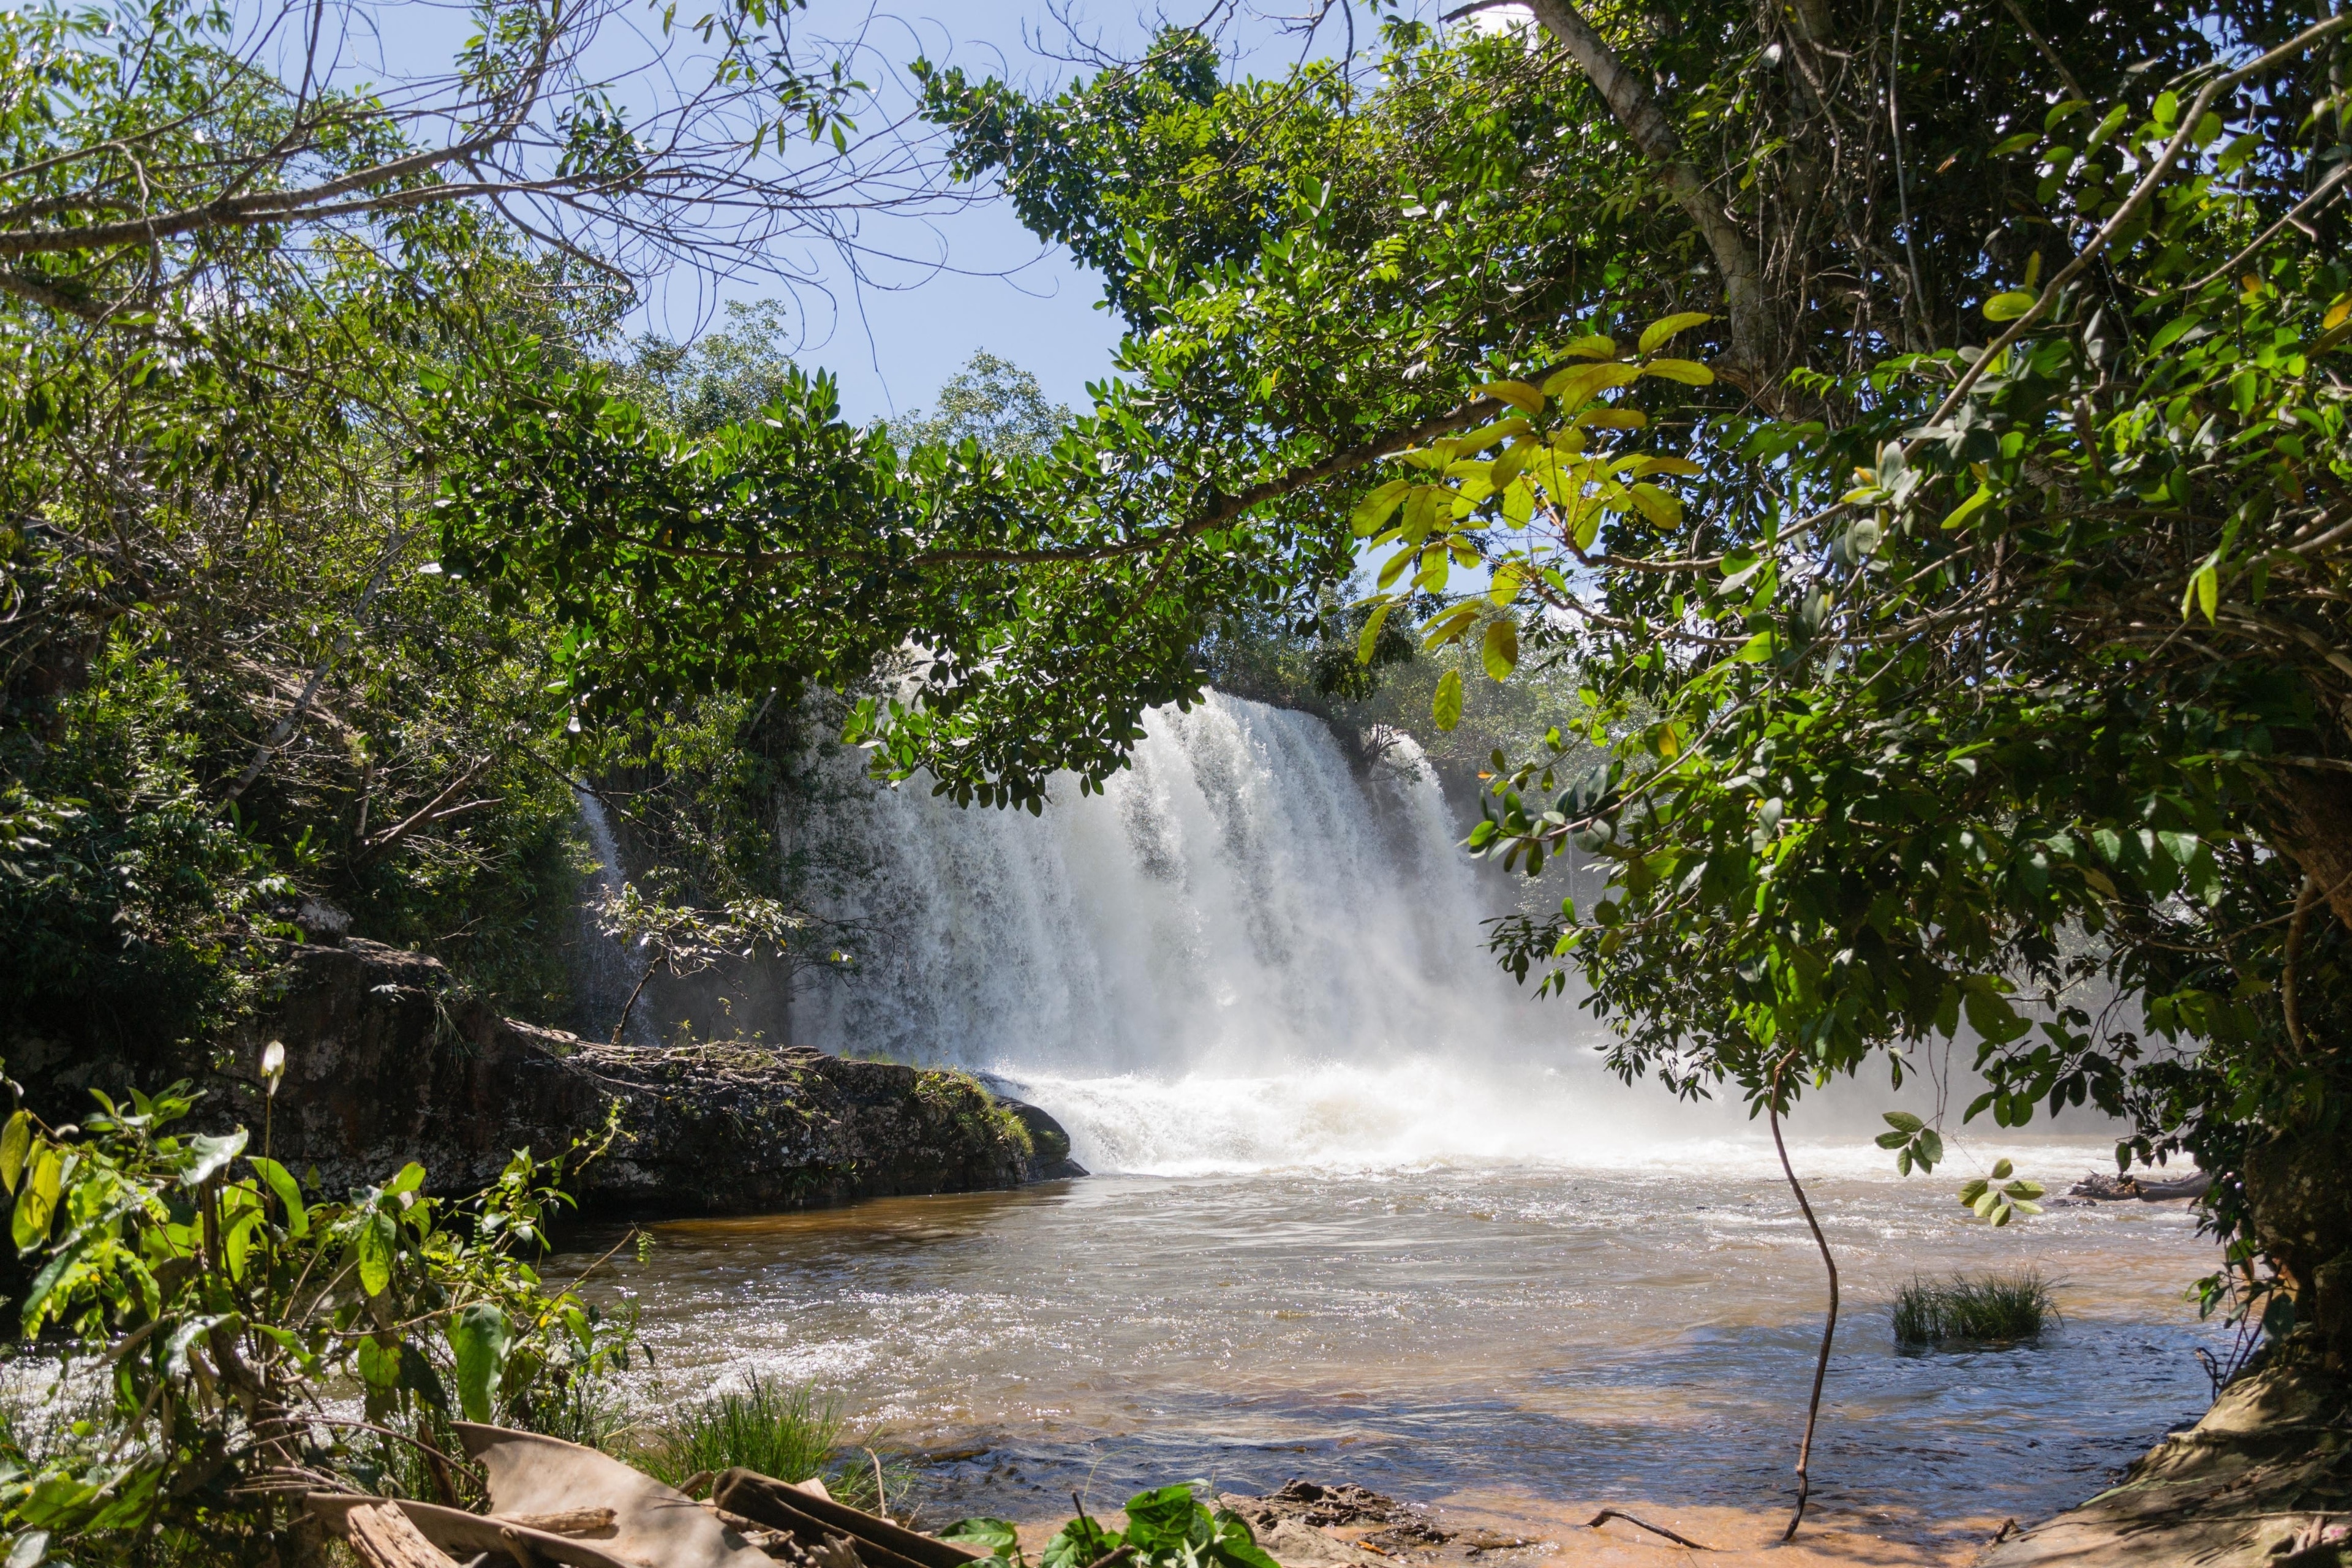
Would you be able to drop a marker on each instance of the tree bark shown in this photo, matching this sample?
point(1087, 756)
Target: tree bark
point(1754, 340)
point(2312, 824)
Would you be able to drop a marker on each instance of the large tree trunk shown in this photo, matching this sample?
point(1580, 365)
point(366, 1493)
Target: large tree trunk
point(2312, 824)
point(2299, 1183)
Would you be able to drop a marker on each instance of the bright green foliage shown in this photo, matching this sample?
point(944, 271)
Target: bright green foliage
point(215, 1300)
point(1166, 1528)
point(2001, 1196)
point(1989, 1309)
point(793, 550)
point(787, 1431)
point(2013, 708)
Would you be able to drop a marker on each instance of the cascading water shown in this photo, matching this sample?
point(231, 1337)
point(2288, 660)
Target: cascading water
point(610, 971)
point(1246, 953)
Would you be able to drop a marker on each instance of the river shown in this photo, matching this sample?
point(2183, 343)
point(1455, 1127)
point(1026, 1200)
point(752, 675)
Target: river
point(1363, 1212)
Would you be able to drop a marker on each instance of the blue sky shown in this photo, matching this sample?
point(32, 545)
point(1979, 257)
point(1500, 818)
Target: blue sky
point(892, 345)
point(937, 287)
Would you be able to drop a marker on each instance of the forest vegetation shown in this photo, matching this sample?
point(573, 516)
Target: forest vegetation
point(1873, 481)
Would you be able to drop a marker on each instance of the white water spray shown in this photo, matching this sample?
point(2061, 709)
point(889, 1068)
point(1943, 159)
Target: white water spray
point(611, 971)
point(1246, 955)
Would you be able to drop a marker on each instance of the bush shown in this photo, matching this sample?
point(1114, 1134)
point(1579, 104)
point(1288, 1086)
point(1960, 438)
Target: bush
point(1991, 1307)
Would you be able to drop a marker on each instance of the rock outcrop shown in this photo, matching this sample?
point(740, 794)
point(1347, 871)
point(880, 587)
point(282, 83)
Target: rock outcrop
point(385, 1064)
point(2263, 1481)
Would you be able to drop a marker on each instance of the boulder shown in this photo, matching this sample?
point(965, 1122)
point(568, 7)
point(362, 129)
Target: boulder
point(385, 1064)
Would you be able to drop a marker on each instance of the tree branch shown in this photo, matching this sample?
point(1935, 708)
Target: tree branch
point(1754, 340)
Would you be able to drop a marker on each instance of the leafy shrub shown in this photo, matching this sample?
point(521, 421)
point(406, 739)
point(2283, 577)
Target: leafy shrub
point(1166, 1528)
point(204, 1304)
point(1991, 1307)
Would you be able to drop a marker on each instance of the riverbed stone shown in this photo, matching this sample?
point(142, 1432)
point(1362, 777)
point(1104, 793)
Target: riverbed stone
point(386, 1062)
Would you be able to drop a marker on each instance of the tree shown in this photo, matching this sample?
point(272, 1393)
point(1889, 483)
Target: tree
point(1982, 669)
point(233, 685)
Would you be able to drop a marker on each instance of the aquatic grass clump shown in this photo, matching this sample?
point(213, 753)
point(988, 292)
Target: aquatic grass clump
point(1988, 1307)
point(787, 1431)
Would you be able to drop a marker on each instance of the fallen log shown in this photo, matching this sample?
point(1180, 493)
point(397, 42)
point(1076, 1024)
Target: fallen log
point(465, 1535)
point(383, 1538)
point(814, 1521)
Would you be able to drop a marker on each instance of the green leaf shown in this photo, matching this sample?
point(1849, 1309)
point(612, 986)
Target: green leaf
point(1370, 637)
point(1234, 1546)
point(1959, 515)
point(1377, 506)
point(1893, 1140)
point(411, 1178)
point(1658, 331)
point(995, 1537)
point(1076, 1544)
point(1931, 1147)
point(1595, 346)
point(211, 1156)
point(1501, 652)
point(290, 1193)
point(379, 1364)
point(2008, 306)
point(1657, 505)
point(1973, 1190)
point(1445, 708)
point(36, 1204)
point(2204, 591)
point(1903, 1121)
point(1517, 394)
point(1449, 625)
point(1991, 1016)
point(2002, 1170)
point(1577, 385)
point(374, 1247)
point(1756, 649)
point(1164, 1520)
point(478, 1337)
point(1689, 371)
point(16, 1143)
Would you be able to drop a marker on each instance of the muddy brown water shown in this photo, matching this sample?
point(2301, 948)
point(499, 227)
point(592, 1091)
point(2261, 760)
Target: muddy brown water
point(1512, 1344)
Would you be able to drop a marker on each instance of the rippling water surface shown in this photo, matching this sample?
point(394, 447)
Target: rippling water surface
point(1452, 1331)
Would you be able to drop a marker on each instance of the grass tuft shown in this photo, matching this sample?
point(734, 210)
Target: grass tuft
point(1987, 1308)
point(789, 1432)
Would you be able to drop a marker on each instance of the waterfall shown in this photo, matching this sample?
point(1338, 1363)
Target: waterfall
point(1243, 953)
point(608, 972)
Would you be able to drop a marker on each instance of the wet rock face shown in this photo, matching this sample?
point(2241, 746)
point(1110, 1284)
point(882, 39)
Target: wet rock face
point(384, 1066)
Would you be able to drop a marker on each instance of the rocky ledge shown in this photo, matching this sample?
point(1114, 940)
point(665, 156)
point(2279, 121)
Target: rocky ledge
point(385, 1064)
point(2263, 1481)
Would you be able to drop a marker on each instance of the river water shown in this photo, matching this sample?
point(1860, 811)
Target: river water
point(1363, 1212)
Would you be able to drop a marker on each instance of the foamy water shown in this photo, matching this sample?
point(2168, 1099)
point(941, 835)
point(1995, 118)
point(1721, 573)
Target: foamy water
point(1450, 1332)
